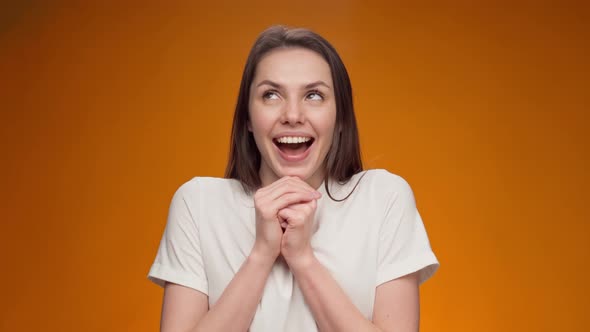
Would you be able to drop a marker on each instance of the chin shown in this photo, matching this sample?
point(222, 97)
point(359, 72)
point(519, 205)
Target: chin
point(303, 175)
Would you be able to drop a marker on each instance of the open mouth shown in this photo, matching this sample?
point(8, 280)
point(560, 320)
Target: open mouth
point(293, 146)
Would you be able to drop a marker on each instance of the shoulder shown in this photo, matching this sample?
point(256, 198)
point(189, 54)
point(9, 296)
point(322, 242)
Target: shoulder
point(384, 182)
point(384, 188)
point(199, 188)
point(374, 186)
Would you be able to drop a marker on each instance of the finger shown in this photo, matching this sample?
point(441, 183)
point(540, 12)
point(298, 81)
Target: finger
point(305, 208)
point(292, 217)
point(314, 204)
point(267, 194)
point(291, 199)
point(282, 219)
point(290, 186)
point(308, 205)
point(288, 215)
point(302, 182)
point(273, 185)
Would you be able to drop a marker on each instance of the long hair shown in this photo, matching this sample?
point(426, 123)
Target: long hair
point(343, 159)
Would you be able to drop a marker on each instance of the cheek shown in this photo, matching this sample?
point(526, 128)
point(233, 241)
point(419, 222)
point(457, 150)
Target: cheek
point(259, 124)
point(327, 124)
point(256, 123)
point(253, 118)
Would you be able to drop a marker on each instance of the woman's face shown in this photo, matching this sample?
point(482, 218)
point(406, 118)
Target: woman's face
point(292, 114)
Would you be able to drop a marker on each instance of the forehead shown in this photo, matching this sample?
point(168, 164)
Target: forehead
point(293, 65)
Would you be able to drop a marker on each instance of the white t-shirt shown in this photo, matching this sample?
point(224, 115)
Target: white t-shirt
point(374, 236)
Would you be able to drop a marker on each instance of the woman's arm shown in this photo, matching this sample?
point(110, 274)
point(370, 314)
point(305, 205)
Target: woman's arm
point(396, 302)
point(185, 309)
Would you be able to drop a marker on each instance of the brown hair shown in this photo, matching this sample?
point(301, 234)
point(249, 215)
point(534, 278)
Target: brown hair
point(343, 159)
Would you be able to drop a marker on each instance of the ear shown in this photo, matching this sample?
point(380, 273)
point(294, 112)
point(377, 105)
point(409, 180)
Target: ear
point(249, 126)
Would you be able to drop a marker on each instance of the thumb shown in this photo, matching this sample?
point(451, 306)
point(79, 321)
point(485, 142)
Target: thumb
point(284, 215)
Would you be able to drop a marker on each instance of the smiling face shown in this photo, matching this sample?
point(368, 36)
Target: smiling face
point(292, 114)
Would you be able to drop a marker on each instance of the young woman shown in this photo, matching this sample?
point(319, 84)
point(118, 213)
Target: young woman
point(297, 237)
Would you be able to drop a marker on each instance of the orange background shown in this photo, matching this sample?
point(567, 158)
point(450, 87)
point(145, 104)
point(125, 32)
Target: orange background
point(107, 109)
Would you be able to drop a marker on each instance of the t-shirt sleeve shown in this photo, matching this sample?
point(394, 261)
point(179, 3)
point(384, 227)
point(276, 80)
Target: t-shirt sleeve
point(179, 258)
point(404, 247)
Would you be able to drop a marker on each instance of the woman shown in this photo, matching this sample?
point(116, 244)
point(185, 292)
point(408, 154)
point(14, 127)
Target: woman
point(296, 237)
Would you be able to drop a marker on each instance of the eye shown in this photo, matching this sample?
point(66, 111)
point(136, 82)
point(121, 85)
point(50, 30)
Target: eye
point(270, 95)
point(315, 95)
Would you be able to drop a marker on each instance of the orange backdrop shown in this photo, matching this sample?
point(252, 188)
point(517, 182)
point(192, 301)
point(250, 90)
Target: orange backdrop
point(107, 108)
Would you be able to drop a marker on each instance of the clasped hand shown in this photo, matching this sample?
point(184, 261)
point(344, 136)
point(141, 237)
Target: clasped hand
point(285, 211)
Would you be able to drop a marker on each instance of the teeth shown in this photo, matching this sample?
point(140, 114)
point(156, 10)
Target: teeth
point(293, 140)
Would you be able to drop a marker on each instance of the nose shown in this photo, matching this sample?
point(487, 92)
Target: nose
point(293, 113)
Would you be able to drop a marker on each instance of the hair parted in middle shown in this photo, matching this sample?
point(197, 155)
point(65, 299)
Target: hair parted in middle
point(343, 159)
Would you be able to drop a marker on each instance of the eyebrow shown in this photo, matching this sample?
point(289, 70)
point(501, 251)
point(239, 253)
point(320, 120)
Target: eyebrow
point(308, 86)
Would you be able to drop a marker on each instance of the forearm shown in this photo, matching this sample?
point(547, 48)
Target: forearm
point(331, 307)
point(237, 305)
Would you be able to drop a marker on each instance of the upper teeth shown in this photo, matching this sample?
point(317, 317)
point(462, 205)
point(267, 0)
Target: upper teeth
point(293, 139)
